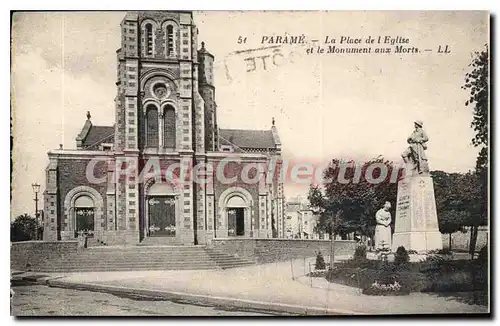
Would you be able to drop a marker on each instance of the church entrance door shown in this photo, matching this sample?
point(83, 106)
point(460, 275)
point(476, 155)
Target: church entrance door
point(161, 211)
point(236, 221)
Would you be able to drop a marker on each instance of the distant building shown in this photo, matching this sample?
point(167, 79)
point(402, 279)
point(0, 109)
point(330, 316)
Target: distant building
point(301, 221)
point(292, 220)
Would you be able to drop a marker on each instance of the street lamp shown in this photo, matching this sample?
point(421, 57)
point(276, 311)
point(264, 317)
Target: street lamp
point(36, 189)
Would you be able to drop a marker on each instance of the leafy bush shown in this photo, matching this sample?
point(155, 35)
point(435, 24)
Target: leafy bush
point(318, 273)
point(382, 273)
point(354, 277)
point(401, 258)
point(444, 275)
point(444, 251)
point(360, 253)
point(480, 270)
point(459, 281)
point(436, 274)
point(352, 263)
point(23, 228)
point(320, 261)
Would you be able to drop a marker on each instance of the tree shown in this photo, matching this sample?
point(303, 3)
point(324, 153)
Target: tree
point(23, 228)
point(451, 221)
point(352, 203)
point(458, 201)
point(345, 207)
point(477, 83)
point(326, 222)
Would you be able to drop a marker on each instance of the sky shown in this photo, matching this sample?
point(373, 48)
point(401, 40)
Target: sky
point(354, 106)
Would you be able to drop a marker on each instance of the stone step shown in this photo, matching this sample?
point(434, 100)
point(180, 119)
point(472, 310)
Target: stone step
point(220, 257)
point(125, 264)
point(152, 263)
point(144, 258)
point(146, 262)
point(105, 249)
point(78, 268)
point(124, 269)
point(139, 254)
point(160, 241)
point(149, 258)
point(76, 264)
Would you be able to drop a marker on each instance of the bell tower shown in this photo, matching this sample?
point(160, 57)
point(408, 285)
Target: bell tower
point(157, 84)
point(159, 111)
point(207, 91)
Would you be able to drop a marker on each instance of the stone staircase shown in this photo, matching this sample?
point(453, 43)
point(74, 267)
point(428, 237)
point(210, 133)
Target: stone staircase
point(143, 258)
point(94, 242)
point(160, 241)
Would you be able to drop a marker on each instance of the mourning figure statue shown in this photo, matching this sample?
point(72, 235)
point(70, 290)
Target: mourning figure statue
point(383, 233)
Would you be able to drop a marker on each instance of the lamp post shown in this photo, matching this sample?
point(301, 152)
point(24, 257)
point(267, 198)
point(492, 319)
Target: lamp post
point(36, 189)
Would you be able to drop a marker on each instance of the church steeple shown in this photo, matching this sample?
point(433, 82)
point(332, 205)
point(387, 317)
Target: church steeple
point(276, 137)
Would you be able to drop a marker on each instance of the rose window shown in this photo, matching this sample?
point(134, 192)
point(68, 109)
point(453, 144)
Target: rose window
point(160, 90)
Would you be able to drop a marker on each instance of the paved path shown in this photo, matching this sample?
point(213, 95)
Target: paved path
point(272, 284)
point(40, 300)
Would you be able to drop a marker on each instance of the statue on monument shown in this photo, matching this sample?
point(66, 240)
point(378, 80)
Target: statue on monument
point(383, 234)
point(416, 226)
point(415, 153)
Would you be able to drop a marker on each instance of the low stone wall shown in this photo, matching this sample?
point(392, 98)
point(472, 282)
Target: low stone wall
point(272, 250)
point(35, 253)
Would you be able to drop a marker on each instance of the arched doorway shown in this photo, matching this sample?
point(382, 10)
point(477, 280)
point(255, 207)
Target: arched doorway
point(83, 210)
point(235, 213)
point(236, 216)
point(84, 213)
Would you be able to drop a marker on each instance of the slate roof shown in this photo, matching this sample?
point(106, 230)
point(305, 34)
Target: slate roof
point(247, 138)
point(98, 135)
point(251, 139)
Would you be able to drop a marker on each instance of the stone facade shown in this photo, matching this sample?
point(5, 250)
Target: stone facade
point(166, 120)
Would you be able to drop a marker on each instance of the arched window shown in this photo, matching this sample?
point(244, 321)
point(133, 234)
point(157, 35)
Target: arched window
point(84, 214)
point(149, 39)
point(170, 40)
point(152, 126)
point(169, 127)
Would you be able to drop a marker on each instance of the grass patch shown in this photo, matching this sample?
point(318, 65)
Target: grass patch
point(436, 274)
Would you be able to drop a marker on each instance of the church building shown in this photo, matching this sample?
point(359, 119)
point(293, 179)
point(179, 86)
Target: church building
point(166, 120)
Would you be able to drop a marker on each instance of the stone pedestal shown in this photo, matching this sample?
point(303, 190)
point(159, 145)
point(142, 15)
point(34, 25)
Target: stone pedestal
point(416, 217)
